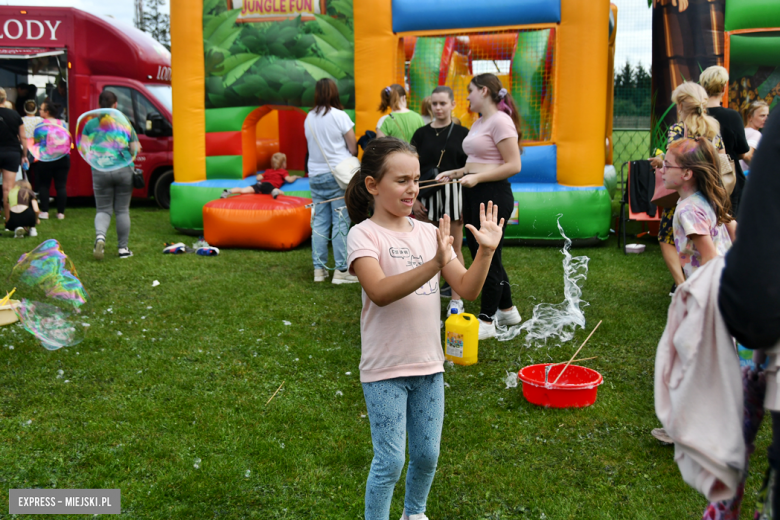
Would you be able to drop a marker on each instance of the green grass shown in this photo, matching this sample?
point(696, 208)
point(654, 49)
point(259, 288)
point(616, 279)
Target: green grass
point(135, 411)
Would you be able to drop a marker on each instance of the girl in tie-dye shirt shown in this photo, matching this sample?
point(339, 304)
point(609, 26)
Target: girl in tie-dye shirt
point(703, 227)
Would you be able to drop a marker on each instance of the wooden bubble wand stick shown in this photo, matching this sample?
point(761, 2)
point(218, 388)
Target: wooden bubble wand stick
point(7, 297)
point(578, 351)
point(312, 204)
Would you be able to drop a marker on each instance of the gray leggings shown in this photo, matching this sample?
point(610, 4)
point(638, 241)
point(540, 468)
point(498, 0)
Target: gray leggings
point(113, 191)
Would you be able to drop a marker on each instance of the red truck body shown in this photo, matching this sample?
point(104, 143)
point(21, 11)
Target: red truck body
point(101, 53)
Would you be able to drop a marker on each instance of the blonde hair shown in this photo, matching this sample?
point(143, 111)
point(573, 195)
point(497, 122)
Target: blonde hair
point(713, 79)
point(751, 109)
point(277, 160)
point(3, 95)
point(691, 100)
point(21, 183)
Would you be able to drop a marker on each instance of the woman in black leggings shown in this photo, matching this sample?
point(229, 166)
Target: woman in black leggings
point(57, 170)
point(493, 150)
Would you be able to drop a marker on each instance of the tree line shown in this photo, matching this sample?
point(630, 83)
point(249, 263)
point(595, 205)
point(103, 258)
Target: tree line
point(632, 91)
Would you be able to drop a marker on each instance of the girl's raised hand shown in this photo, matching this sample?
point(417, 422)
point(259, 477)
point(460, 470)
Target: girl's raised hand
point(490, 229)
point(444, 251)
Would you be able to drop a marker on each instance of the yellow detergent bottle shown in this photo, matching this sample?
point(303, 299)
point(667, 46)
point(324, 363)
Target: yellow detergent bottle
point(461, 338)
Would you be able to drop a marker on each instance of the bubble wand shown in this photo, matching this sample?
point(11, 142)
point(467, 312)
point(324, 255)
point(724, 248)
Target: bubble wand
point(311, 205)
point(7, 297)
point(578, 351)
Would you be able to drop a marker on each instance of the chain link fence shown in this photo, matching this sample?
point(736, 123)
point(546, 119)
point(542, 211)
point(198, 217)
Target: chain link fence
point(631, 134)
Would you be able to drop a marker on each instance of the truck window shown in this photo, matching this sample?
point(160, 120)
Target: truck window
point(144, 108)
point(124, 98)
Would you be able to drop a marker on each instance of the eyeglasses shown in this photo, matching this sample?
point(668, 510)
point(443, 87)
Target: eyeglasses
point(668, 166)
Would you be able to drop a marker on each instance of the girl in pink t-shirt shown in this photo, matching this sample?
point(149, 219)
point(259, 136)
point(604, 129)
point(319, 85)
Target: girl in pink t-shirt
point(397, 261)
point(493, 149)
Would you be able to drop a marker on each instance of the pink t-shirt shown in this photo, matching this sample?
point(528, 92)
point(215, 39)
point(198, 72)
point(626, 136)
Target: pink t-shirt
point(480, 144)
point(403, 338)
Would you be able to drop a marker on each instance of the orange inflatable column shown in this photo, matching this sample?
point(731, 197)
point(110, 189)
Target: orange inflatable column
point(580, 96)
point(189, 84)
point(375, 59)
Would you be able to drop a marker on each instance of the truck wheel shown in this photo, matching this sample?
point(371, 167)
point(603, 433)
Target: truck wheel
point(162, 189)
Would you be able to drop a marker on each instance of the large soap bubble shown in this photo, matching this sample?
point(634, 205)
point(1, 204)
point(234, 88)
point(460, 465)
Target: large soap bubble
point(106, 139)
point(558, 320)
point(53, 295)
point(50, 141)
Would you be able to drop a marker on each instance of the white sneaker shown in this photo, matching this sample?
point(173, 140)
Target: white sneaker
point(43, 215)
point(125, 253)
point(320, 275)
point(421, 516)
point(340, 277)
point(19, 232)
point(33, 232)
point(455, 307)
point(511, 317)
point(99, 249)
point(487, 330)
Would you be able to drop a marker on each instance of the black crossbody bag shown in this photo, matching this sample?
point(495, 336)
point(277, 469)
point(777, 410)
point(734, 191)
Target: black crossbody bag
point(433, 172)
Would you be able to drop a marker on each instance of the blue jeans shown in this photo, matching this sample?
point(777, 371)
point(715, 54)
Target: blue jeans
point(396, 406)
point(330, 220)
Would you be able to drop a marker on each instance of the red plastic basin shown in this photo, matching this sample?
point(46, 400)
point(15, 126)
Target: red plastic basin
point(577, 387)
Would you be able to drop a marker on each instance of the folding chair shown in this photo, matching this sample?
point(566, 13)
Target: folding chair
point(649, 224)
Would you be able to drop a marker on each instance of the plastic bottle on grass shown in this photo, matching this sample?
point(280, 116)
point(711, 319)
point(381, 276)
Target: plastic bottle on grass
point(461, 339)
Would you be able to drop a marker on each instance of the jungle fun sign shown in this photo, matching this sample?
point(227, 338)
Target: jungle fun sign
point(271, 10)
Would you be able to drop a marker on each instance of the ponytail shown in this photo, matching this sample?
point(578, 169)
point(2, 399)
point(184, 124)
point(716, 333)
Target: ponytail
point(359, 201)
point(691, 100)
point(391, 97)
point(501, 97)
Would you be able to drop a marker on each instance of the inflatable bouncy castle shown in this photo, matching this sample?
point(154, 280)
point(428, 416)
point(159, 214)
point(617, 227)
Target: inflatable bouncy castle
point(246, 69)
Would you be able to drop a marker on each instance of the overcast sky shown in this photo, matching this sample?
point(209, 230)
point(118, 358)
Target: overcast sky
point(634, 35)
point(120, 9)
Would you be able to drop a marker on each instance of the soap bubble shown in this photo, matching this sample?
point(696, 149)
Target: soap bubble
point(50, 141)
point(106, 139)
point(53, 295)
point(561, 319)
point(53, 326)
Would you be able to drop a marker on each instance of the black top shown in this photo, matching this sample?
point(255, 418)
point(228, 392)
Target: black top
point(429, 147)
point(9, 130)
point(733, 133)
point(749, 296)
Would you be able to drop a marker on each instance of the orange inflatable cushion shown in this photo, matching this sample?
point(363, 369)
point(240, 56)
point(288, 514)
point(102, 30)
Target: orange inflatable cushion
point(257, 221)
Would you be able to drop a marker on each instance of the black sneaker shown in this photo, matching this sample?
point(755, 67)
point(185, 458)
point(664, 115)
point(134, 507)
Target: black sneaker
point(125, 253)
